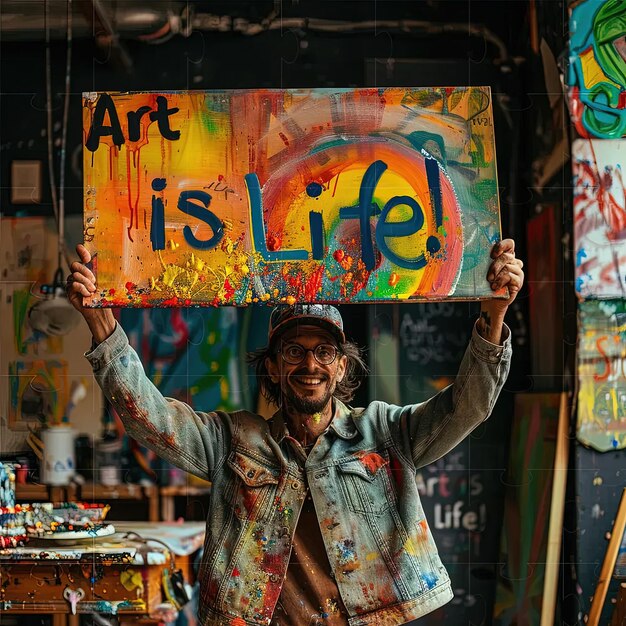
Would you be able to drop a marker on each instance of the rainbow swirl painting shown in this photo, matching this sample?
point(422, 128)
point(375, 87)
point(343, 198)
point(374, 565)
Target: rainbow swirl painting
point(212, 198)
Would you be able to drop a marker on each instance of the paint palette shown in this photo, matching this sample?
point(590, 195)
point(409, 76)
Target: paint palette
point(68, 537)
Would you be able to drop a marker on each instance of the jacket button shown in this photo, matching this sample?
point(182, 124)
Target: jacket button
point(295, 485)
point(250, 474)
point(274, 578)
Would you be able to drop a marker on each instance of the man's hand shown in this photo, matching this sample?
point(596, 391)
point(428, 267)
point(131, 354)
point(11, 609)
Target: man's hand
point(504, 271)
point(81, 283)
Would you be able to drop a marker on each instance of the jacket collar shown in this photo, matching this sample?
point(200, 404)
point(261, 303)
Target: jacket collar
point(342, 423)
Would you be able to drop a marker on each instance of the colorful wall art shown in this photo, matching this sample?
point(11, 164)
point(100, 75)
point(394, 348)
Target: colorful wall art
point(38, 392)
point(602, 374)
point(597, 71)
point(599, 218)
point(233, 197)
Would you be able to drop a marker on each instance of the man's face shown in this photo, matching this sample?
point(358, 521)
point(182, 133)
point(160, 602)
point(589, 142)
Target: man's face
point(306, 387)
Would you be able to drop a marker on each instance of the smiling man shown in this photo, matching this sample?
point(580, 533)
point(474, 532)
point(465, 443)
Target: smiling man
point(315, 517)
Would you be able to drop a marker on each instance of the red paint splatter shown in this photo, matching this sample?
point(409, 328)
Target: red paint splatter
point(313, 286)
point(372, 461)
point(284, 138)
point(229, 292)
point(130, 286)
point(274, 242)
point(338, 255)
point(249, 498)
point(236, 572)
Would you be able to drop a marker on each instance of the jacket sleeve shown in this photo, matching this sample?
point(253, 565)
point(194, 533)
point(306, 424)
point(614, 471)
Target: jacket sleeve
point(193, 441)
point(431, 429)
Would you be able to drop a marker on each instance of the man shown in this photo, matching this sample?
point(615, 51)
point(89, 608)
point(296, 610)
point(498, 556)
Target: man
point(314, 517)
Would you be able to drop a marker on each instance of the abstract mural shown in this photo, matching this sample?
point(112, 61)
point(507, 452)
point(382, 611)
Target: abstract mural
point(599, 218)
point(597, 69)
point(602, 374)
point(234, 197)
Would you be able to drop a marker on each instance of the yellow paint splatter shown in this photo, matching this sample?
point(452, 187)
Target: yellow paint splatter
point(409, 546)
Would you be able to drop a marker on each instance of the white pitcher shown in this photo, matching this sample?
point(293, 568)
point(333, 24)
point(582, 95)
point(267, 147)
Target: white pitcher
point(59, 462)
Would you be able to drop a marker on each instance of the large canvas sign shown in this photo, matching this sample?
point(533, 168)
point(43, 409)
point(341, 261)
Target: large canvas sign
point(233, 197)
point(599, 217)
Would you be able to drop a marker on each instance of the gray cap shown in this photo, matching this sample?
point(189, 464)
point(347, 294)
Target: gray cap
point(326, 316)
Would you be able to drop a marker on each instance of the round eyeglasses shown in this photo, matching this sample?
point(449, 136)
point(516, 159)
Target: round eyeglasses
point(294, 353)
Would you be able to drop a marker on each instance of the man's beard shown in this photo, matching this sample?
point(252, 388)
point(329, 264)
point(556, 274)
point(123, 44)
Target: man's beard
point(305, 406)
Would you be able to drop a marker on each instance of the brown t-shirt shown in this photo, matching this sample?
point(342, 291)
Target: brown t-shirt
point(309, 596)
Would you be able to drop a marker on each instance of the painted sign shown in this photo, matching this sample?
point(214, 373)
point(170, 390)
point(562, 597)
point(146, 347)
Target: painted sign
point(233, 197)
point(602, 374)
point(599, 218)
point(597, 70)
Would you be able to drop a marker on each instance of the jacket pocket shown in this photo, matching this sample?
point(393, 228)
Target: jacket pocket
point(366, 485)
point(254, 486)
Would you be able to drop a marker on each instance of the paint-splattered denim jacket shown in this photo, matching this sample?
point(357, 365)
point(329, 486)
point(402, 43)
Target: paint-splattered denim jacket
point(361, 475)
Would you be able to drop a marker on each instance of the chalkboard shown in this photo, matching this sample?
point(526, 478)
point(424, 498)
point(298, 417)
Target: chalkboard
point(432, 341)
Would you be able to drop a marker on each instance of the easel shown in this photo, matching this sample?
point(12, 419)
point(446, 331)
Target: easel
point(606, 573)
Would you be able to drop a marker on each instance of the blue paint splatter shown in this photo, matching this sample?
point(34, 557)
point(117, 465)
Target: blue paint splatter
point(430, 579)
point(314, 190)
point(159, 184)
point(580, 255)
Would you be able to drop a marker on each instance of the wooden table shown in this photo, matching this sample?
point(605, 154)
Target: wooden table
point(114, 575)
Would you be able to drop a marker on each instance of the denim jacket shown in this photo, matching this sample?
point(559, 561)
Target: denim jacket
point(360, 473)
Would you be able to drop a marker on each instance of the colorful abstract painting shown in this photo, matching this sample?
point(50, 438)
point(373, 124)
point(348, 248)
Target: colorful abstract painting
point(599, 218)
point(597, 70)
point(38, 392)
point(602, 374)
point(191, 355)
point(234, 197)
point(524, 540)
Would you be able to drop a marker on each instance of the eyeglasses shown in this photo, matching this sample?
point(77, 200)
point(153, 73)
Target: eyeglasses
point(294, 353)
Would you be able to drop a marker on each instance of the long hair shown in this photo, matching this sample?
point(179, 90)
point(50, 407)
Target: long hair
point(356, 369)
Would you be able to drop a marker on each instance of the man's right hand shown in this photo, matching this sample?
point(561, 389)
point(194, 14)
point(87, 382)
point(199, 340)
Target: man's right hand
point(81, 283)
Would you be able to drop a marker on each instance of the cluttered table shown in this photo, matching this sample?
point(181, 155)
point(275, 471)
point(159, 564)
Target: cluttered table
point(139, 571)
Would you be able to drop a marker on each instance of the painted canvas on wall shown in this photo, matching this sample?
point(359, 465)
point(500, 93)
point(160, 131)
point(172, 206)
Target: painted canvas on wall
point(597, 70)
point(233, 197)
point(38, 392)
point(602, 374)
point(524, 539)
point(191, 355)
point(599, 218)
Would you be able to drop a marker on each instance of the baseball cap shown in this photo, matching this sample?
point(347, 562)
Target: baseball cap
point(326, 316)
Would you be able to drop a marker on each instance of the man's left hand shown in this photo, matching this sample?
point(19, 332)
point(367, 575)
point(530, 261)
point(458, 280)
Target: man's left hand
point(504, 271)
